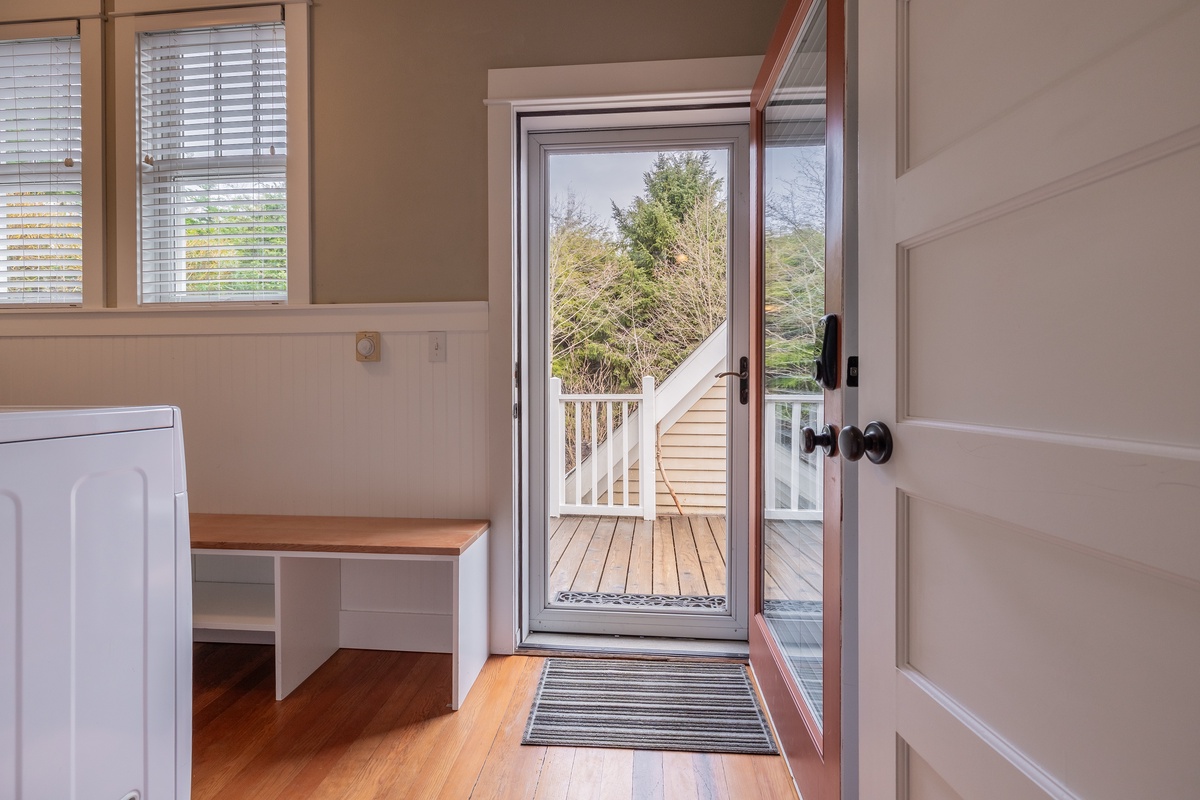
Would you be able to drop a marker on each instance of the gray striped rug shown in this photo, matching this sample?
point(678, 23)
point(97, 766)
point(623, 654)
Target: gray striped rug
point(648, 705)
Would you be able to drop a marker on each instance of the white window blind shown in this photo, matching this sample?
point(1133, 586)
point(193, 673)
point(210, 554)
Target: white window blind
point(41, 220)
point(213, 133)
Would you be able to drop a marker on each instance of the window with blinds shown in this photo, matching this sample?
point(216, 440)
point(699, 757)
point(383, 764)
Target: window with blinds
point(41, 212)
point(213, 135)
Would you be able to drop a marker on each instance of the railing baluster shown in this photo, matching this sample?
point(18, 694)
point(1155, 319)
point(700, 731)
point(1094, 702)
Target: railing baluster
point(646, 448)
point(595, 453)
point(625, 453)
point(793, 457)
point(770, 455)
point(819, 494)
point(579, 446)
point(608, 447)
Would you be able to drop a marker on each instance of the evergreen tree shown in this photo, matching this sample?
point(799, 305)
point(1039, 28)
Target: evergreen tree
point(675, 185)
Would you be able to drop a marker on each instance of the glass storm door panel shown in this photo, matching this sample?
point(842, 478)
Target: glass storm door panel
point(796, 634)
point(793, 305)
point(631, 253)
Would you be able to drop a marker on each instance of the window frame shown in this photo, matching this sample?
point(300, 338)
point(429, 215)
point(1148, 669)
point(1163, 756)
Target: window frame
point(127, 207)
point(18, 23)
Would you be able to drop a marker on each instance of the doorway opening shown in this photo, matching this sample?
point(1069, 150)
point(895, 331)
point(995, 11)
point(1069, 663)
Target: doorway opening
point(636, 477)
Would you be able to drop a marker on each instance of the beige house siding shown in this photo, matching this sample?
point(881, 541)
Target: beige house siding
point(693, 456)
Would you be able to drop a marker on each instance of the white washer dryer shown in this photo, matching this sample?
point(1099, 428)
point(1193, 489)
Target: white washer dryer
point(95, 605)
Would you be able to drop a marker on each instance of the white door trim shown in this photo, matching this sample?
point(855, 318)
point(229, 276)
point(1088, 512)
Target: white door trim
point(512, 92)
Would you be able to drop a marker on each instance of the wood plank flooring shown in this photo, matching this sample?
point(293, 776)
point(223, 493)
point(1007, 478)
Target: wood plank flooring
point(793, 557)
point(680, 555)
point(374, 724)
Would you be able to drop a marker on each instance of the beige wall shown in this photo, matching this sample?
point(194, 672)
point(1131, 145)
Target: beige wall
point(399, 136)
point(399, 128)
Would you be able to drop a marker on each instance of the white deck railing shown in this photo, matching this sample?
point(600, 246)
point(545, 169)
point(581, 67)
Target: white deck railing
point(593, 440)
point(793, 480)
point(586, 463)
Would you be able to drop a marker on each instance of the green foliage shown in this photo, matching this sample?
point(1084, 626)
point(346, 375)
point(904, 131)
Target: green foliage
point(592, 285)
point(639, 302)
point(238, 246)
point(794, 276)
point(675, 186)
point(794, 271)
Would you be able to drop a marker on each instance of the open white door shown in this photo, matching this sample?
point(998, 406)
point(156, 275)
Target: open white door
point(1030, 563)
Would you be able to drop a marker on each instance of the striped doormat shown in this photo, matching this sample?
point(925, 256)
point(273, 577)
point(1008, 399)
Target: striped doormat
point(648, 705)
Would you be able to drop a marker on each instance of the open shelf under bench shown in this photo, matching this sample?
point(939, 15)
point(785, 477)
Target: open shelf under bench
point(303, 607)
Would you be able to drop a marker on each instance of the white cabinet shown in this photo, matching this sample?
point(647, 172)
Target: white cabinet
point(95, 605)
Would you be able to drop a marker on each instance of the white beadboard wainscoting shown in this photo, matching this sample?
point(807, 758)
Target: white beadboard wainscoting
point(280, 418)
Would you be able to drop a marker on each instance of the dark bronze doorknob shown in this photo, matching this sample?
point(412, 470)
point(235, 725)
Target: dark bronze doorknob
point(827, 440)
point(874, 441)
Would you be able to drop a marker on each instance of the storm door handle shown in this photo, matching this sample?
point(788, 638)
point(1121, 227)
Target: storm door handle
point(743, 379)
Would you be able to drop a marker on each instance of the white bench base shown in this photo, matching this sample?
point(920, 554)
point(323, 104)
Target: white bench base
point(308, 625)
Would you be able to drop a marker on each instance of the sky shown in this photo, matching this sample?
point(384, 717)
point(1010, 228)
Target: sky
point(601, 179)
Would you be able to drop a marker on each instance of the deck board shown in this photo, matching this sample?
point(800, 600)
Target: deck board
point(666, 572)
point(717, 526)
point(560, 536)
point(616, 569)
point(793, 560)
point(587, 579)
point(712, 561)
point(568, 565)
point(677, 555)
point(670, 555)
point(687, 559)
point(641, 559)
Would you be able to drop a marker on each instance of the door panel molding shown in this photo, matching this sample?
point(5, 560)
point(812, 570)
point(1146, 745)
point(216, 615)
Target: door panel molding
point(955, 743)
point(1028, 564)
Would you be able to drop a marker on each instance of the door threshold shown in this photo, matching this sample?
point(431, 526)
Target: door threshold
point(632, 646)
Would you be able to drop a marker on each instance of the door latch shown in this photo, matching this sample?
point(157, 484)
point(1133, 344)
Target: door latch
point(825, 368)
point(743, 379)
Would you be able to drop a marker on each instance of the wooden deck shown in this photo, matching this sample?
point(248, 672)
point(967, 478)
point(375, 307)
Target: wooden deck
point(675, 555)
point(793, 560)
point(671, 555)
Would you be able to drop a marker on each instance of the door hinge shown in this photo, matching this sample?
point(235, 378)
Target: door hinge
point(516, 410)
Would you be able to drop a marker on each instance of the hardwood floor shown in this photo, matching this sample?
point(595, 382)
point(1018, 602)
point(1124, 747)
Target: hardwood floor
point(374, 724)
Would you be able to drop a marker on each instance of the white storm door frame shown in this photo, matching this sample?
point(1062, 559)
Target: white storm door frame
point(733, 137)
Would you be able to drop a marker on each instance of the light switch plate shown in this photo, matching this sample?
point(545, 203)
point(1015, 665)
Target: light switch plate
point(437, 345)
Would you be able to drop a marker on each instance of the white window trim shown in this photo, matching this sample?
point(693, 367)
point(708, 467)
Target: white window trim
point(91, 60)
point(299, 214)
point(644, 85)
point(125, 7)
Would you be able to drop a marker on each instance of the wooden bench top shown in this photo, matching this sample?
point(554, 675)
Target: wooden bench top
point(395, 535)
